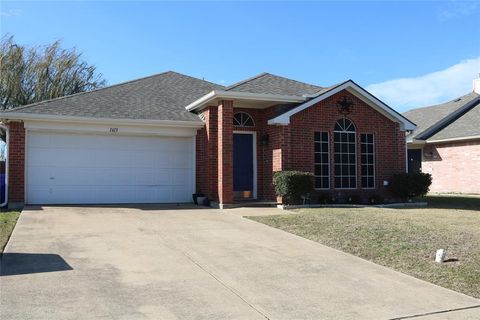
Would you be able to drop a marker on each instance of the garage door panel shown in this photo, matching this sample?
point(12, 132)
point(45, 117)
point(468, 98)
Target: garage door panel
point(75, 169)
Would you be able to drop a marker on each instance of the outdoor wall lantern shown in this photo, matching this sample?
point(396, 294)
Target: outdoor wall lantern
point(264, 140)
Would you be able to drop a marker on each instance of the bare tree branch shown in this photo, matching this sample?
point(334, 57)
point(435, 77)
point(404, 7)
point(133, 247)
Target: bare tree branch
point(29, 75)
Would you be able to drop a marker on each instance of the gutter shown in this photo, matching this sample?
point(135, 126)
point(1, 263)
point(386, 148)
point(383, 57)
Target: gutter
point(138, 122)
point(453, 139)
point(219, 94)
point(7, 140)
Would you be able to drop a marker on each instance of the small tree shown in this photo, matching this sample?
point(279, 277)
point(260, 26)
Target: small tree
point(409, 185)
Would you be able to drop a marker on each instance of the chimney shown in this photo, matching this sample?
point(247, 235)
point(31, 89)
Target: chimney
point(476, 85)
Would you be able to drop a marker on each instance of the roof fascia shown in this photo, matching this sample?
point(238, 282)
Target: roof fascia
point(220, 94)
point(453, 139)
point(284, 119)
point(138, 122)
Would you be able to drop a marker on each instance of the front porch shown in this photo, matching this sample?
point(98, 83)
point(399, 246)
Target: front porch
point(237, 153)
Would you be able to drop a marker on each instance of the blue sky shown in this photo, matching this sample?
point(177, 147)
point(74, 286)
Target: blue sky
point(407, 53)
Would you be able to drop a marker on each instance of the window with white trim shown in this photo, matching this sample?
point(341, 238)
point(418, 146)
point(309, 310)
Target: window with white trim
point(367, 158)
point(322, 162)
point(242, 119)
point(345, 155)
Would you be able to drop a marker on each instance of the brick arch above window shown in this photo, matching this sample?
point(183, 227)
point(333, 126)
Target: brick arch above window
point(243, 119)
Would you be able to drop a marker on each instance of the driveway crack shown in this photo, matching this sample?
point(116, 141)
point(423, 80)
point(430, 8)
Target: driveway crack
point(235, 292)
point(435, 312)
point(229, 288)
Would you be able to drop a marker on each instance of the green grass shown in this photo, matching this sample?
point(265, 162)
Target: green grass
point(402, 239)
point(7, 223)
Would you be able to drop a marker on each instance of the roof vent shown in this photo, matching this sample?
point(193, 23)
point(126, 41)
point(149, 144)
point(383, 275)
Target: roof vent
point(476, 86)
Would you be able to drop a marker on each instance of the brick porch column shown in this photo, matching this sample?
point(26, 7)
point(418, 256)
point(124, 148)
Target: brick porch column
point(225, 152)
point(16, 163)
point(212, 152)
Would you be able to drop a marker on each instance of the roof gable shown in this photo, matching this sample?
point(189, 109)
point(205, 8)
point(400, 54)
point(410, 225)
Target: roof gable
point(358, 91)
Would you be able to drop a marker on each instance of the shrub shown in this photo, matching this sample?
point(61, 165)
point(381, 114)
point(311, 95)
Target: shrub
point(354, 199)
point(292, 185)
point(412, 184)
point(325, 199)
point(376, 199)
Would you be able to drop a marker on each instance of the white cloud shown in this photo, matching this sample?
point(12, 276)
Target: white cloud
point(432, 88)
point(457, 9)
point(11, 13)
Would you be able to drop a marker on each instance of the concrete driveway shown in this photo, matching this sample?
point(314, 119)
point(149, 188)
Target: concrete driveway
point(187, 263)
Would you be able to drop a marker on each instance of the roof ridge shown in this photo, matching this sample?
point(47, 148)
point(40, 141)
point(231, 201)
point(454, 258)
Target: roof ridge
point(236, 84)
point(192, 77)
point(274, 75)
point(309, 84)
point(444, 103)
point(103, 88)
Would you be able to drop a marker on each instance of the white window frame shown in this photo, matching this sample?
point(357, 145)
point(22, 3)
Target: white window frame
point(242, 125)
point(355, 164)
point(321, 164)
point(374, 164)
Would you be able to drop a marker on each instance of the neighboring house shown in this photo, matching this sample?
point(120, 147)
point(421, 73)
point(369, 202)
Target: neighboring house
point(446, 143)
point(161, 138)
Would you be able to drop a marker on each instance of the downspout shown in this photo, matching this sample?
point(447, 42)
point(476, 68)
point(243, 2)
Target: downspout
point(406, 156)
point(7, 151)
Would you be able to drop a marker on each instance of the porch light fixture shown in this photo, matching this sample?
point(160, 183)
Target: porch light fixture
point(264, 140)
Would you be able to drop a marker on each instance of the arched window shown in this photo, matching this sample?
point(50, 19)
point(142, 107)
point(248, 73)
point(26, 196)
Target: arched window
point(345, 154)
point(243, 119)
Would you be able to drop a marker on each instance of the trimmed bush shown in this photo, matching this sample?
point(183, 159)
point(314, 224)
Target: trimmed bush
point(376, 199)
point(409, 185)
point(292, 185)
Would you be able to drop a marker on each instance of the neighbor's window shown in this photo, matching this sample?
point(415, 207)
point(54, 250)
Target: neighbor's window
point(367, 155)
point(345, 157)
point(322, 165)
point(242, 119)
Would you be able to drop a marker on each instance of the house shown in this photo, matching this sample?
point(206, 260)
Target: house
point(446, 143)
point(161, 138)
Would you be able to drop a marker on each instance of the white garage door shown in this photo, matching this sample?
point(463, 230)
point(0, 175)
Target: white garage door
point(89, 169)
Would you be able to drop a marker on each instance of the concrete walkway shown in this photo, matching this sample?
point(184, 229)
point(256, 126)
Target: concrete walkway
point(187, 263)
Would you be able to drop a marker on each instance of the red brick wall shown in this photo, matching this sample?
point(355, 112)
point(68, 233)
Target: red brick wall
point(16, 161)
point(455, 167)
point(207, 155)
point(389, 140)
point(225, 151)
point(291, 147)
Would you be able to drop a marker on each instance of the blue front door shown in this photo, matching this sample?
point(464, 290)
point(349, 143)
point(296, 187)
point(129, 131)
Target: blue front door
point(242, 162)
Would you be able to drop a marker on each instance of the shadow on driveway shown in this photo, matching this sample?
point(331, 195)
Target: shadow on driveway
point(26, 263)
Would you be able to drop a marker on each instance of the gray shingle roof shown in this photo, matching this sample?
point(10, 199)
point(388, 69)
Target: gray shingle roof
point(429, 117)
point(271, 84)
point(465, 126)
point(158, 97)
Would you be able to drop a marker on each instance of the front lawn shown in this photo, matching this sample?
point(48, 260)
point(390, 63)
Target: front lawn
point(402, 239)
point(7, 223)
